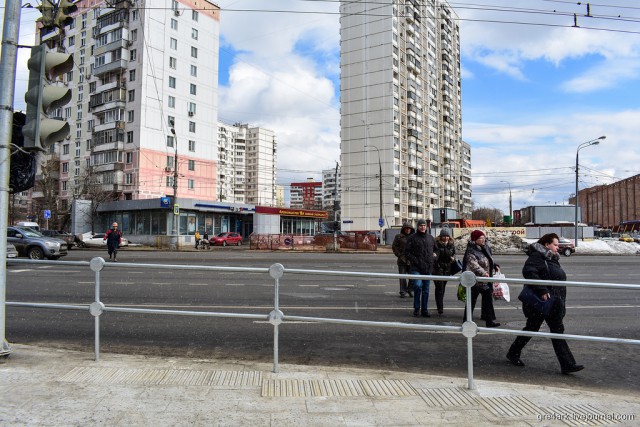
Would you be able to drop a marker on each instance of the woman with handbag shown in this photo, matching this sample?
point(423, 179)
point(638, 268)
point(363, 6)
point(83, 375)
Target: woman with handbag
point(544, 303)
point(445, 255)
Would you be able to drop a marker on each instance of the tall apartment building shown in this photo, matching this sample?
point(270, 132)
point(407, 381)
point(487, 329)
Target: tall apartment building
point(331, 184)
point(401, 119)
point(247, 164)
point(145, 89)
point(306, 195)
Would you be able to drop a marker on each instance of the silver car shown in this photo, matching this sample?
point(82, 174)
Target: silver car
point(34, 245)
point(11, 251)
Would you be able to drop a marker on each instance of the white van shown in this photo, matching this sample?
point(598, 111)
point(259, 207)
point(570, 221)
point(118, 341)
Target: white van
point(33, 225)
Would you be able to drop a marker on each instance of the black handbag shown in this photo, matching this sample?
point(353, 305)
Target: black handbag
point(456, 266)
point(529, 297)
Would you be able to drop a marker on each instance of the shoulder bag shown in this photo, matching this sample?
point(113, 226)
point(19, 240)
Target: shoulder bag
point(456, 266)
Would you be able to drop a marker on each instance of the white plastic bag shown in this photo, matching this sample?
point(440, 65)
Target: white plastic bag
point(500, 289)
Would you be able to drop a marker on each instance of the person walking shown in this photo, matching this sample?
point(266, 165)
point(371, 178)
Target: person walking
point(398, 246)
point(445, 254)
point(205, 240)
point(113, 236)
point(543, 263)
point(197, 237)
point(420, 254)
point(478, 260)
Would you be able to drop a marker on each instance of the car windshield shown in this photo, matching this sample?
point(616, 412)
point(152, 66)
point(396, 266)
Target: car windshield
point(29, 232)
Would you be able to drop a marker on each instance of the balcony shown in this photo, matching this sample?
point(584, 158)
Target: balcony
point(120, 64)
point(109, 146)
point(108, 167)
point(118, 44)
point(108, 126)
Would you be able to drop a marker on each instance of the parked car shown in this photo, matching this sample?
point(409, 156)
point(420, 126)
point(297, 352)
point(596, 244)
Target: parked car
point(11, 251)
point(226, 238)
point(565, 246)
point(96, 240)
point(59, 234)
point(35, 245)
point(625, 238)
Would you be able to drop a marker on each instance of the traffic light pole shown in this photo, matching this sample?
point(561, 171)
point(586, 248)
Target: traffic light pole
point(8, 61)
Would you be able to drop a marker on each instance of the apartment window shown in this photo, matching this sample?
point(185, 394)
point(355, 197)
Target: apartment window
point(171, 121)
point(173, 43)
point(76, 169)
point(192, 144)
point(174, 24)
point(192, 89)
point(172, 82)
point(169, 161)
point(64, 185)
point(170, 141)
point(128, 158)
point(192, 126)
point(80, 96)
point(83, 39)
point(72, 41)
point(172, 101)
point(90, 125)
point(192, 107)
point(191, 184)
point(65, 149)
point(70, 76)
point(194, 15)
point(170, 181)
point(132, 75)
point(134, 15)
point(192, 165)
point(173, 62)
point(194, 52)
point(92, 87)
point(132, 55)
point(79, 115)
point(128, 179)
point(134, 35)
point(194, 34)
point(130, 137)
point(65, 167)
point(78, 148)
point(132, 95)
point(130, 116)
point(194, 71)
point(87, 145)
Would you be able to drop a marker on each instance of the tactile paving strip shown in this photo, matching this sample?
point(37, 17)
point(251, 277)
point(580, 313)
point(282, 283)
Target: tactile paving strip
point(163, 377)
point(447, 397)
point(510, 406)
point(336, 388)
point(579, 415)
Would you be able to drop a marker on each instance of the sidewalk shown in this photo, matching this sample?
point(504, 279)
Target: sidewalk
point(66, 388)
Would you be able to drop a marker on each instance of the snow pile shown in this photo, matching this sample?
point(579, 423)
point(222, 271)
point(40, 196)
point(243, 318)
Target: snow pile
point(607, 247)
point(500, 242)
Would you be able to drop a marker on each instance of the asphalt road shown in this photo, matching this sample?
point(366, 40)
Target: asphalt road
point(608, 313)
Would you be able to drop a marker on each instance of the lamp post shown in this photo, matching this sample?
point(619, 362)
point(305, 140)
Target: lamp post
point(510, 200)
point(580, 147)
point(174, 238)
point(380, 218)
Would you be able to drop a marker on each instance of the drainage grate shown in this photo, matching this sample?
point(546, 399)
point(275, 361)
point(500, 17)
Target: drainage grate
point(444, 397)
point(163, 377)
point(511, 406)
point(578, 415)
point(336, 388)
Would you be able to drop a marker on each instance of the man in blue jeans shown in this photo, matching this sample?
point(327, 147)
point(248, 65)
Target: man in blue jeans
point(420, 253)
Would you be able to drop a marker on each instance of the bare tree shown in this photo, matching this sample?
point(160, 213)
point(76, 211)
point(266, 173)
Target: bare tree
point(493, 214)
point(90, 186)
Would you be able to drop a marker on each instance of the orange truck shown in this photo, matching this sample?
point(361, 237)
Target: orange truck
point(464, 223)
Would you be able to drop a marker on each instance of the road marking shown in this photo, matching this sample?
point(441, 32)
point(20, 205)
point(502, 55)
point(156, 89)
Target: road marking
point(309, 286)
point(19, 271)
point(234, 284)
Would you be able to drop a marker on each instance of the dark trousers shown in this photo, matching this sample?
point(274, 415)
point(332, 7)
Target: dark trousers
point(487, 313)
point(403, 269)
point(560, 346)
point(112, 250)
point(440, 286)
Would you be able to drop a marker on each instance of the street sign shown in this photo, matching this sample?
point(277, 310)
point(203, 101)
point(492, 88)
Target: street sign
point(347, 221)
point(165, 202)
point(381, 222)
point(176, 209)
point(47, 214)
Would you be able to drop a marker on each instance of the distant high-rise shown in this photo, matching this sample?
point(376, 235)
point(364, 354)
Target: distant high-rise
point(306, 195)
point(401, 119)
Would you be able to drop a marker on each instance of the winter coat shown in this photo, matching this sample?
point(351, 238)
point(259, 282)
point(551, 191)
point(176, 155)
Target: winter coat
point(445, 252)
point(113, 237)
point(478, 260)
point(419, 252)
point(399, 244)
point(543, 264)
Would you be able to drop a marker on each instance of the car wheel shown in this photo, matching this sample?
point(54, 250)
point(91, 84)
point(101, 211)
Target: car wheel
point(35, 253)
point(224, 243)
point(239, 242)
point(567, 252)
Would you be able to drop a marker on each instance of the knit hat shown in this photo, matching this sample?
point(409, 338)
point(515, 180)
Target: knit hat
point(421, 222)
point(476, 234)
point(445, 233)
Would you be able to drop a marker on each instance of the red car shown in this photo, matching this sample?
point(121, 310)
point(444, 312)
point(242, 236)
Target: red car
point(226, 238)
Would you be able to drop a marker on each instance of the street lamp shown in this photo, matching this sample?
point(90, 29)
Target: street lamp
point(174, 244)
point(510, 203)
point(580, 147)
point(380, 218)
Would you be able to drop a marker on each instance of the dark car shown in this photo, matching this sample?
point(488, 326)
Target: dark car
point(226, 238)
point(35, 245)
point(565, 246)
point(59, 234)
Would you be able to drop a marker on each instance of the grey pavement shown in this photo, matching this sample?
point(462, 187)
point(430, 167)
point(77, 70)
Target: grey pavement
point(51, 387)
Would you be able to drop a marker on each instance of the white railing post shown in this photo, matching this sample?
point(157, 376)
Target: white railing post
point(276, 316)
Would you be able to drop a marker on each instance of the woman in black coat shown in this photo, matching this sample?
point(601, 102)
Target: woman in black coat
point(445, 254)
point(544, 264)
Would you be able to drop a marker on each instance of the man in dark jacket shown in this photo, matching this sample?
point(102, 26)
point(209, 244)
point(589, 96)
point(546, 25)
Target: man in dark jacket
point(399, 245)
point(113, 238)
point(420, 254)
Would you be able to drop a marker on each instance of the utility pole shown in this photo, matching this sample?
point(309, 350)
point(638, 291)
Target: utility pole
point(8, 61)
point(176, 208)
point(335, 210)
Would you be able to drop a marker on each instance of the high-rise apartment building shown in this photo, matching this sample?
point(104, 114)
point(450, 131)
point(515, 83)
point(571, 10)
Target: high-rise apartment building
point(247, 164)
point(331, 183)
point(144, 109)
point(401, 123)
point(306, 195)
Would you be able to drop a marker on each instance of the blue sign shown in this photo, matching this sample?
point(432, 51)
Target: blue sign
point(381, 222)
point(165, 202)
point(47, 214)
point(347, 221)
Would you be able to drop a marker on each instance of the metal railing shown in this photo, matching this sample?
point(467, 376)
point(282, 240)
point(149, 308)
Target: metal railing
point(276, 317)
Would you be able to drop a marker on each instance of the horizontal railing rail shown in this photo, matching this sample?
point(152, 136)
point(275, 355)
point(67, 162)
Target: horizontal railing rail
point(468, 329)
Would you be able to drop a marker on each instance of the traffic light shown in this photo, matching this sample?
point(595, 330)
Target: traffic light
point(23, 165)
point(40, 131)
point(65, 8)
point(47, 8)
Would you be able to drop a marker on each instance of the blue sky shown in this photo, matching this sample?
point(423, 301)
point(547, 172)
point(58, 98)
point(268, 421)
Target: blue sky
point(531, 93)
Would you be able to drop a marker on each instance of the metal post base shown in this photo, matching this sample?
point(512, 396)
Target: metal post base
point(5, 349)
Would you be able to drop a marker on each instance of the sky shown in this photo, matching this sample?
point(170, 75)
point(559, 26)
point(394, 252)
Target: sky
point(534, 87)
